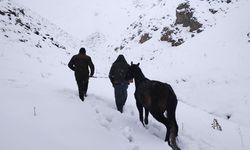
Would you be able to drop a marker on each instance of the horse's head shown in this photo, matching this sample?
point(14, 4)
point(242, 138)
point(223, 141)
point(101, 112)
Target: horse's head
point(132, 71)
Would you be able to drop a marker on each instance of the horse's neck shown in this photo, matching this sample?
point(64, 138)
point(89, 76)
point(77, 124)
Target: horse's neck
point(139, 78)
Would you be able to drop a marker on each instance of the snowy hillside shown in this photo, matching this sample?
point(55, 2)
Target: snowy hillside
point(127, 23)
point(22, 25)
point(39, 105)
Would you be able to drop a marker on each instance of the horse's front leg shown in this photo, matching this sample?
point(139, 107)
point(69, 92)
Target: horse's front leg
point(140, 109)
point(146, 116)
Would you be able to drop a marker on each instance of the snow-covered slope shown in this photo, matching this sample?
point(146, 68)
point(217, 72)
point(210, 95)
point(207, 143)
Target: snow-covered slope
point(40, 108)
point(123, 24)
point(19, 24)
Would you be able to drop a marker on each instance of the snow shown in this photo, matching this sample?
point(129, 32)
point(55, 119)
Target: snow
point(39, 105)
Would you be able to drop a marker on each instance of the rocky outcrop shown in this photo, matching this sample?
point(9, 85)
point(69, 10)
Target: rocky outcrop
point(188, 21)
point(184, 16)
point(145, 37)
point(20, 24)
point(167, 35)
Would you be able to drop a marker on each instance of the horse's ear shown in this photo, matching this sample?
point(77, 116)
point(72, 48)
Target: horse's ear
point(131, 62)
point(138, 64)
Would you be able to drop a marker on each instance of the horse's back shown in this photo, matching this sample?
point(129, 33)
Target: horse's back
point(156, 89)
point(156, 94)
point(160, 87)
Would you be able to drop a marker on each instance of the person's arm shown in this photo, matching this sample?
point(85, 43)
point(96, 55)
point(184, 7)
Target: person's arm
point(71, 63)
point(111, 74)
point(92, 67)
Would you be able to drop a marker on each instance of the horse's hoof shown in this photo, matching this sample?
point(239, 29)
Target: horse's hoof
point(143, 124)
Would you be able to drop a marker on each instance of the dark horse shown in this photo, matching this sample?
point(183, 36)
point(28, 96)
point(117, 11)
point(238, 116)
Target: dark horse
point(157, 98)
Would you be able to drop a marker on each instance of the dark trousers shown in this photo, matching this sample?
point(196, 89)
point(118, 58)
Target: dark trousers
point(120, 95)
point(82, 87)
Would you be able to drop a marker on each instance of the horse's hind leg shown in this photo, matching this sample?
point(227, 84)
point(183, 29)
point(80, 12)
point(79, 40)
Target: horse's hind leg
point(140, 109)
point(146, 116)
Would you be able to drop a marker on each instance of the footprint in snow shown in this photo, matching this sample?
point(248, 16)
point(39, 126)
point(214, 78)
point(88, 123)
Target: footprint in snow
point(104, 101)
point(16, 84)
point(109, 119)
point(136, 147)
point(127, 133)
point(104, 122)
point(129, 110)
point(156, 130)
point(97, 111)
point(156, 126)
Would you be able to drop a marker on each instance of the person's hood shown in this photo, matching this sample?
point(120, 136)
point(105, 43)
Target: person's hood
point(120, 58)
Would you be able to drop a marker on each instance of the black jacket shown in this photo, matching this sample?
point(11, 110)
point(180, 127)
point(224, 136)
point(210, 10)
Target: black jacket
point(118, 70)
point(81, 63)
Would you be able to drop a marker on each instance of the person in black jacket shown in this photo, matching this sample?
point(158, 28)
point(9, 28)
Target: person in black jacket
point(117, 77)
point(80, 64)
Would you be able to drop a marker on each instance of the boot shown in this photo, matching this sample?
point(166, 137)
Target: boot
point(81, 97)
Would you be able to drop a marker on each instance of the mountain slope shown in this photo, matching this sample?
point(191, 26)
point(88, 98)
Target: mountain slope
point(40, 108)
point(19, 24)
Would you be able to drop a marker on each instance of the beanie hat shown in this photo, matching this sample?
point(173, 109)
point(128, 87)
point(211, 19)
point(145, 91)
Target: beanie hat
point(82, 50)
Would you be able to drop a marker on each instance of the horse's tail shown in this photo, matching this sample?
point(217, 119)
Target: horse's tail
point(172, 95)
point(172, 92)
point(172, 138)
point(172, 120)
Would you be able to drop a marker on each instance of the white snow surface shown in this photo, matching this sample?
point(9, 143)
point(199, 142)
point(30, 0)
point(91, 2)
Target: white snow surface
point(39, 103)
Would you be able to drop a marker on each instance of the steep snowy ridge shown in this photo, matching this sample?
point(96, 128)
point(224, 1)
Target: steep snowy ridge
point(19, 24)
point(155, 18)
